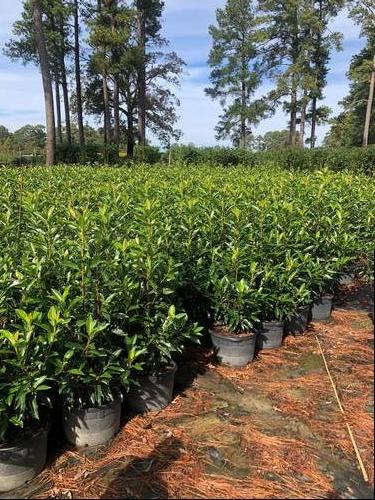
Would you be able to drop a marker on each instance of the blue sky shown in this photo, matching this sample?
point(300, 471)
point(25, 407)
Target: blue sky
point(186, 26)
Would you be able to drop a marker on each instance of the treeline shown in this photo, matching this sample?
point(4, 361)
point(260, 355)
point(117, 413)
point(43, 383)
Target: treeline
point(107, 59)
point(289, 44)
point(103, 58)
point(337, 159)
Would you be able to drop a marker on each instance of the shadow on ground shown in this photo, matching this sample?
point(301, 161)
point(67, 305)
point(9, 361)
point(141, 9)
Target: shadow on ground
point(270, 430)
point(143, 477)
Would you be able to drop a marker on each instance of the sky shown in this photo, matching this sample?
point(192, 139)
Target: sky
point(185, 25)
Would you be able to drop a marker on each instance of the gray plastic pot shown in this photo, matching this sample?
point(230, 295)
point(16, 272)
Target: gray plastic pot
point(322, 308)
point(153, 392)
point(270, 335)
point(21, 463)
point(92, 426)
point(236, 351)
point(298, 323)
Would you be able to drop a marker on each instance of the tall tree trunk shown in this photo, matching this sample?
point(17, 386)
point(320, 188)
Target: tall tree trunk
point(293, 118)
point(142, 77)
point(319, 82)
point(370, 101)
point(107, 112)
point(243, 118)
point(130, 142)
point(116, 111)
point(106, 108)
point(116, 90)
point(47, 82)
point(313, 122)
point(303, 121)
point(77, 62)
point(58, 111)
point(64, 84)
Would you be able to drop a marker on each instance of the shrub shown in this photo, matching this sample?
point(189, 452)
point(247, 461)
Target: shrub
point(147, 154)
point(355, 159)
point(122, 263)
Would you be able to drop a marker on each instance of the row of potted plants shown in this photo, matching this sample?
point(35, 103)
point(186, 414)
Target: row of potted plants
point(85, 368)
point(106, 274)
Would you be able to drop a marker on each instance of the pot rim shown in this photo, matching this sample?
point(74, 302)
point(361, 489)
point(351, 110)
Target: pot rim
point(92, 409)
point(43, 431)
point(169, 369)
point(307, 307)
point(233, 338)
point(274, 322)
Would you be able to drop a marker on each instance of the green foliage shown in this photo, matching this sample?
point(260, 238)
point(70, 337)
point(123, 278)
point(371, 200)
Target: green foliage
point(347, 128)
point(147, 154)
point(272, 140)
point(25, 350)
point(30, 137)
point(236, 74)
point(74, 153)
point(105, 272)
point(354, 159)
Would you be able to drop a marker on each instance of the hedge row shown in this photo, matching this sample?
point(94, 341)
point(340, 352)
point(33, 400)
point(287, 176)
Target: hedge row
point(355, 159)
point(108, 272)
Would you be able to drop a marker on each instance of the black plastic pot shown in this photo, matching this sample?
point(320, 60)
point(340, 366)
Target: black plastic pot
point(270, 335)
point(322, 308)
point(22, 462)
point(236, 350)
point(153, 392)
point(298, 323)
point(92, 426)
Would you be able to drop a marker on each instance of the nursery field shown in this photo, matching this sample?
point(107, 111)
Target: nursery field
point(108, 275)
point(270, 430)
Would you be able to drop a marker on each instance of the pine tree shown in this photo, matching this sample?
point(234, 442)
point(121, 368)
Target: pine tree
point(55, 25)
point(363, 12)
point(235, 73)
point(284, 32)
point(46, 77)
point(296, 53)
point(77, 65)
point(323, 41)
point(348, 127)
point(114, 38)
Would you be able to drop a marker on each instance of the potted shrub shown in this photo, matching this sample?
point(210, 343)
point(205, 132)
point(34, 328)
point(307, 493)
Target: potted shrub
point(301, 271)
point(165, 337)
point(325, 287)
point(235, 309)
point(276, 306)
point(146, 283)
point(231, 286)
point(89, 370)
point(89, 373)
point(25, 351)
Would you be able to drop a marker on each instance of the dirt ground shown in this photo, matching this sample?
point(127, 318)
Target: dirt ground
point(271, 430)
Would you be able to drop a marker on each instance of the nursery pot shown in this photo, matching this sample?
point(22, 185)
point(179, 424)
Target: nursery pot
point(298, 323)
point(270, 335)
point(92, 426)
point(322, 308)
point(234, 350)
point(153, 392)
point(22, 462)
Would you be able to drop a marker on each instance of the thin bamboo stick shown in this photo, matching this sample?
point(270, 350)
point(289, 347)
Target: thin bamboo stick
point(357, 452)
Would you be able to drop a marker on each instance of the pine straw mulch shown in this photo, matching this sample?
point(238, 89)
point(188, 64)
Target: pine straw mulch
point(286, 449)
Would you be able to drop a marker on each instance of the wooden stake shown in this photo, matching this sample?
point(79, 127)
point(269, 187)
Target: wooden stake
point(359, 458)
